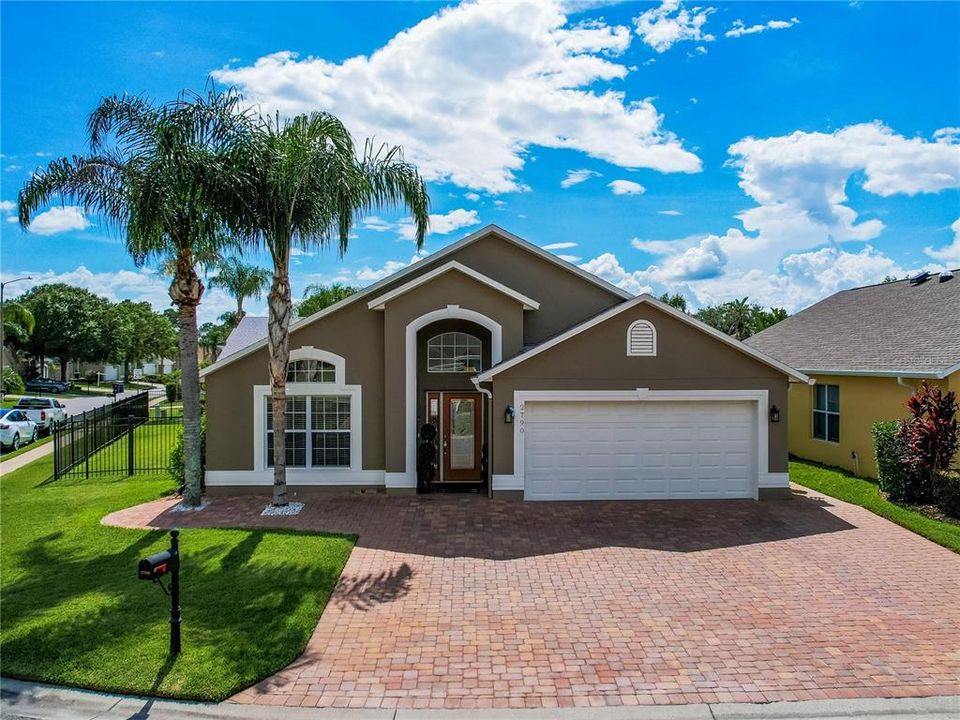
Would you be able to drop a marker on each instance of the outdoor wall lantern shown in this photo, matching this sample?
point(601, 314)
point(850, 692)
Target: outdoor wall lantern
point(774, 414)
point(508, 415)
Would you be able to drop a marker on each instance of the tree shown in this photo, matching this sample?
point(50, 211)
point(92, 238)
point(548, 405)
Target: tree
point(318, 297)
point(158, 172)
point(307, 186)
point(740, 318)
point(676, 300)
point(241, 281)
point(70, 323)
point(139, 333)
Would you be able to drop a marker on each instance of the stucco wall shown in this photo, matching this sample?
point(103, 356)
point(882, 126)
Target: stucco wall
point(863, 401)
point(358, 334)
point(596, 359)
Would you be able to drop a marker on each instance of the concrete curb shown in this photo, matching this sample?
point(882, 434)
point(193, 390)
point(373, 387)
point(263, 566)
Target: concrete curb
point(22, 700)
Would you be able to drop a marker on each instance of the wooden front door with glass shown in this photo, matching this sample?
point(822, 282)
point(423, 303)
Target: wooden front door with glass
point(458, 417)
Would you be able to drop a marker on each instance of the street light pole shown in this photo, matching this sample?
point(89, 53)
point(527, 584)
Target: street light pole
point(3, 339)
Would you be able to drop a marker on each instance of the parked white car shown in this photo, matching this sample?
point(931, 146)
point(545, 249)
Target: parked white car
point(47, 413)
point(16, 429)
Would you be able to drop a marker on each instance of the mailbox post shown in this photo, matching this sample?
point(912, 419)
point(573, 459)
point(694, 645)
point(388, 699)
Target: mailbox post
point(155, 567)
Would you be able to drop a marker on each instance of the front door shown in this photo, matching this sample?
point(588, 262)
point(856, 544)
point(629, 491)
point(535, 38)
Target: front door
point(461, 435)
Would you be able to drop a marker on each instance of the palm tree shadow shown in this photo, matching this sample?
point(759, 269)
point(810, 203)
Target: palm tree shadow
point(364, 592)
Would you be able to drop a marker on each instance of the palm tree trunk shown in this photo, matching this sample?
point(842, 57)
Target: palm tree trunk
point(279, 303)
point(240, 312)
point(185, 291)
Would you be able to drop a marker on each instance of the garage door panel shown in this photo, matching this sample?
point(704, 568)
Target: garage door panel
point(637, 450)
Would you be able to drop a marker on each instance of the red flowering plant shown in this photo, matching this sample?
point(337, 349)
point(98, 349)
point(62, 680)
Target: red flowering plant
point(930, 437)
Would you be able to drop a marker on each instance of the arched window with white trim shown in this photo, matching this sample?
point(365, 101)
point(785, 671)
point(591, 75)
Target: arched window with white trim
point(641, 339)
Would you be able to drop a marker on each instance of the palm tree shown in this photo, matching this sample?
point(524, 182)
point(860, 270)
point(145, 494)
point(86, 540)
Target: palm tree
point(156, 172)
point(241, 281)
point(306, 188)
point(740, 318)
point(317, 297)
point(18, 323)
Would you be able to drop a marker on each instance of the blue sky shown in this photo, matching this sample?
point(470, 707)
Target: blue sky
point(777, 150)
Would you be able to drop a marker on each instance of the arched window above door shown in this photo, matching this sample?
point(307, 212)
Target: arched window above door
point(454, 352)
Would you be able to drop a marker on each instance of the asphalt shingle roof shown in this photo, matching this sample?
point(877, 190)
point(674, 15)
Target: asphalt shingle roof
point(893, 327)
point(251, 329)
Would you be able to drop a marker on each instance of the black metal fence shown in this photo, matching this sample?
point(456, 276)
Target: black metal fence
point(125, 437)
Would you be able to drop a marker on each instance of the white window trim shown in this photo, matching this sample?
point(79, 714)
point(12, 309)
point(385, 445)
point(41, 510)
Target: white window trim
point(408, 478)
point(261, 392)
point(763, 477)
point(653, 331)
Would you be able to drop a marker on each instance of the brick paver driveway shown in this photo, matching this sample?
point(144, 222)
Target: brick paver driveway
point(454, 601)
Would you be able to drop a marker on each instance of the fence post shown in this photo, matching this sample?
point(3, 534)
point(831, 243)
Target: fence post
point(130, 463)
point(86, 448)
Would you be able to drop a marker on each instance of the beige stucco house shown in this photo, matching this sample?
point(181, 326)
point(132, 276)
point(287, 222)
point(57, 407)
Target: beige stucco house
point(866, 350)
point(542, 381)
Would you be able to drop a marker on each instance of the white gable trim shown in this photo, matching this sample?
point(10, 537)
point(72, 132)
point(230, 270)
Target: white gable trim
point(380, 303)
point(439, 255)
point(794, 375)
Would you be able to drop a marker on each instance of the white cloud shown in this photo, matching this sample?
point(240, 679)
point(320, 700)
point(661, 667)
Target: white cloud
point(608, 267)
point(59, 219)
point(559, 246)
point(470, 89)
point(11, 218)
point(11, 168)
point(368, 275)
point(377, 224)
point(672, 213)
point(626, 187)
point(471, 196)
point(670, 23)
point(799, 182)
point(739, 29)
point(575, 177)
point(570, 258)
point(143, 285)
point(300, 252)
point(948, 254)
point(7, 205)
point(441, 224)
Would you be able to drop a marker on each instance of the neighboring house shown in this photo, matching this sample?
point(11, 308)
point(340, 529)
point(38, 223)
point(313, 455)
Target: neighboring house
point(543, 381)
point(108, 372)
point(866, 350)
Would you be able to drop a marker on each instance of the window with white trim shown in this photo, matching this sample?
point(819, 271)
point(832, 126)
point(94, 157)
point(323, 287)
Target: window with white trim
point(318, 431)
point(311, 370)
point(826, 412)
point(454, 352)
point(642, 339)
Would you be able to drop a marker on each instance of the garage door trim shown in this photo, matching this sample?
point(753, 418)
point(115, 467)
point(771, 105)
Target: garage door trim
point(760, 398)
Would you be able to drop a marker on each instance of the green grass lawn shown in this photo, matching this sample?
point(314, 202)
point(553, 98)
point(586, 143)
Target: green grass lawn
point(844, 486)
point(7, 454)
point(74, 612)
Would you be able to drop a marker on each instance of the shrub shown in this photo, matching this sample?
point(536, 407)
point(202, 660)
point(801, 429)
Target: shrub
point(930, 437)
point(946, 491)
point(12, 382)
point(176, 467)
point(173, 391)
point(889, 448)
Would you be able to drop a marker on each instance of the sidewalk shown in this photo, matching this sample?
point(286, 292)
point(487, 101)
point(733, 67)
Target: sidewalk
point(23, 700)
point(8, 466)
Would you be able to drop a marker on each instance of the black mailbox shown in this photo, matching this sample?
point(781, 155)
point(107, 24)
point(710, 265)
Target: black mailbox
point(156, 566)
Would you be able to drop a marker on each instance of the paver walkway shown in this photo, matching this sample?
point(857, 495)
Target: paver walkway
point(461, 602)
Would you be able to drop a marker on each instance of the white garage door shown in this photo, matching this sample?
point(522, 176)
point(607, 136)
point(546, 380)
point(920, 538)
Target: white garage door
point(639, 450)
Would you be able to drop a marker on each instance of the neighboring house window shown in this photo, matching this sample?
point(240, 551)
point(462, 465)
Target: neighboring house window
point(826, 412)
point(318, 431)
point(311, 370)
point(453, 352)
point(642, 338)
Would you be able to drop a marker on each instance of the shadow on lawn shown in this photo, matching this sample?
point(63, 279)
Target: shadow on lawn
point(89, 621)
